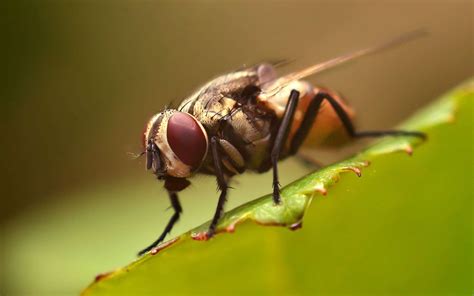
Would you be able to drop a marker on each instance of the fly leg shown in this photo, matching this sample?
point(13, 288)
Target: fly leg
point(177, 211)
point(312, 112)
point(280, 140)
point(172, 185)
point(221, 184)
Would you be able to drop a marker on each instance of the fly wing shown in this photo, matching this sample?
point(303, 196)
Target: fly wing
point(282, 82)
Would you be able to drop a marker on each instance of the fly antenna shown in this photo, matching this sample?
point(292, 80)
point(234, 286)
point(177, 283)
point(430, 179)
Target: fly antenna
point(135, 155)
point(402, 39)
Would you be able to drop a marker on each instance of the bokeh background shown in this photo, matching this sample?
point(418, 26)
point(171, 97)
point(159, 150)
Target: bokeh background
point(83, 77)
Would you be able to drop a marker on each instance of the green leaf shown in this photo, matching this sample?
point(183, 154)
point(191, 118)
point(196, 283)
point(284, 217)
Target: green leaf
point(404, 227)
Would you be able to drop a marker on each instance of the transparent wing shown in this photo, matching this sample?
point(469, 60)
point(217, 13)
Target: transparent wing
point(283, 81)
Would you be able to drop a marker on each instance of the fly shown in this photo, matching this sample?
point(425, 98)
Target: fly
point(249, 120)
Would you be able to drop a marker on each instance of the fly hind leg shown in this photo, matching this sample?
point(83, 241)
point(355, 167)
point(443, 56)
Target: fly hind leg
point(312, 112)
point(280, 140)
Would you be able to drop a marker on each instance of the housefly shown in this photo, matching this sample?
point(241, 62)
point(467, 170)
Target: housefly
point(249, 120)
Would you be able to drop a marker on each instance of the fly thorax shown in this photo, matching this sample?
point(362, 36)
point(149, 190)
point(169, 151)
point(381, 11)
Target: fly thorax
point(214, 112)
point(250, 128)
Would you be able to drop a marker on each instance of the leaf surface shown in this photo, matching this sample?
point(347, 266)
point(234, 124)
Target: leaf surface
point(404, 227)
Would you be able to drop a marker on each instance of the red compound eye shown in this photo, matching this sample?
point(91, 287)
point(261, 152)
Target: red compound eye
point(186, 139)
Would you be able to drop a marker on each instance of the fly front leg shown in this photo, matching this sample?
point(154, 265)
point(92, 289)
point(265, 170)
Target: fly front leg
point(312, 112)
point(221, 184)
point(280, 141)
point(172, 185)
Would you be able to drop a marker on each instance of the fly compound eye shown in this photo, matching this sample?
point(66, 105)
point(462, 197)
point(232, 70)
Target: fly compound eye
point(187, 139)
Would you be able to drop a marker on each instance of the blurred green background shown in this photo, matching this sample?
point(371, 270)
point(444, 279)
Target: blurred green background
point(83, 77)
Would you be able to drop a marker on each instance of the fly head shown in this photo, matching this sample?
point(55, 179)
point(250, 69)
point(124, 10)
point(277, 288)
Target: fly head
point(176, 144)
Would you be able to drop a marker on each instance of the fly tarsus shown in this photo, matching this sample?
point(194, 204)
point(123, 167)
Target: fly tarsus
point(372, 134)
point(276, 193)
